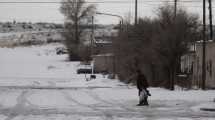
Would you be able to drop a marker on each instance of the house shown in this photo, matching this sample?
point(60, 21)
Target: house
point(187, 60)
point(210, 65)
point(103, 45)
point(191, 63)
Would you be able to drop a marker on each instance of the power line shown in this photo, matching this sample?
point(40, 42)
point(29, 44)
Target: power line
point(49, 2)
point(145, 6)
point(147, 3)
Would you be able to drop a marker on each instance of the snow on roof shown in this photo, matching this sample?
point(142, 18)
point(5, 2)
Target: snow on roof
point(102, 42)
point(200, 41)
point(102, 55)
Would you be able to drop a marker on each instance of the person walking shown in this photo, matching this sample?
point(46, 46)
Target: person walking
point(142, 85)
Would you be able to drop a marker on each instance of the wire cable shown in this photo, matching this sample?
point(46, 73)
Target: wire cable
point(119, 2)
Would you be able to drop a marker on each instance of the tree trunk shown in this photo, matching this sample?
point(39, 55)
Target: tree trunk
point(173, 75)
point(172, 83)
point(154, 76)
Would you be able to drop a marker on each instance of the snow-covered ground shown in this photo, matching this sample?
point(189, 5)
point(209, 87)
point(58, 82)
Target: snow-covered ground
point(10, 39)
point(37, 84)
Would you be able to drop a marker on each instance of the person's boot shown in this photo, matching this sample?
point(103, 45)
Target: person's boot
point(146, 102)
point(148, 93)
point(141, 103)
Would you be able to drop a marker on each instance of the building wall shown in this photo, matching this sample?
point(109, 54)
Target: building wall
point(103, 63)
point(103, 48)
point(210, 65)
point(187, 62)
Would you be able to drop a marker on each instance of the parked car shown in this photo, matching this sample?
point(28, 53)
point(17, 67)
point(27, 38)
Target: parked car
point(84, 69)
point(61, 50)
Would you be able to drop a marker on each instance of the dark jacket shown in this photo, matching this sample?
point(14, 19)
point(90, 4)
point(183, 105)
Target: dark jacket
point(142, 82)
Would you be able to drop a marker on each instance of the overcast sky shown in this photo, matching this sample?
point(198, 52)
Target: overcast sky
point(49, 12)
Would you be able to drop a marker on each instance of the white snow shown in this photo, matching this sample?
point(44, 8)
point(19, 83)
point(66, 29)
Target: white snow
point(191, 95)
point(16, 38)
point(37, 84)
point(207, 105)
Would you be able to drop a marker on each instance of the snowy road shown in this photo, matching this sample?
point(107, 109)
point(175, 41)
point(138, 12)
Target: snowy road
point(90, 104)
point(36, 84)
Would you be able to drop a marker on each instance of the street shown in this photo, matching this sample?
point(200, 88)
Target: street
point(35, 85)
point(93, 103)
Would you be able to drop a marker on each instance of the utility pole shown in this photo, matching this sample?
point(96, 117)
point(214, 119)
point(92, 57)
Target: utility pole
point(204, 49)
point(76, 21)
point(172, 82)
point(92, 35)
point(92, 43)
point(210, 19)
point(135, 12)
point(175, 11)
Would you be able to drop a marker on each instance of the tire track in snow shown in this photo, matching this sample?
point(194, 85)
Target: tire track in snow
point(50, 87)
point(149, 112)
point(95, 109)
point(113, 103)
point(20, 107)
point(139, 112)
point(25, 108)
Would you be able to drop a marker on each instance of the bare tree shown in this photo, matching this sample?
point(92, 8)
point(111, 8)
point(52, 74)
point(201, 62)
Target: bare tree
point(156, 45)
point(77, 14)
point(133, 47)
point(174, 34)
